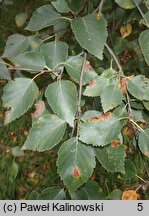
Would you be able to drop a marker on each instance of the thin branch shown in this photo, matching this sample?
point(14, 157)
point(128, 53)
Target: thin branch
point(133, 123)
point(1, 1)
point(11, 67)
point(100, 6)
point(78, 113)
point(129, 107)
point(48, 38)
point(141, 12)
point(121, 73)
point(81, 84)
point(42, 72)
point(23, 69)
point(66, 18)
point(80, 94)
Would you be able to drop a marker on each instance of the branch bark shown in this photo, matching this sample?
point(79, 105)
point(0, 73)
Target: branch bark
point(78, 114)
point(100, 6)
point(121, 75)
point(141, 12)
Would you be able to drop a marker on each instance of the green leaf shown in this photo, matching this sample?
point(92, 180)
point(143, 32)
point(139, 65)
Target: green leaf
point(19, 96)
point(111, 97)
point(144, 43)
point(15, 45)
point(100, 133)
point(4, 72)
point(74, 67)
point(127, 4)
point(61, 6)
point(62, 97)
point(115, 195)
point(20, 19)
point(13, 171)
point(33, 61)
point(52, 193)
point(95, 87)
point(137, 116)
point(147, 16)
point(130, 170)
point(45, 133)
point(99, 83)
point(112, 158)
point(60, 28)
point(54, 53)
point(90, 33)
point(90, 191)
point(144, 142)
point(146, 105)
point(34, 43)
point(43, 17)
point(121, 112)
point(138, 87)
point(75, 163)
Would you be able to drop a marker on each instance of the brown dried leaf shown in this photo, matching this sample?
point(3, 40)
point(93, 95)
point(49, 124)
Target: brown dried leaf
point(129, 195)
point(40, 107)
point(76, 173)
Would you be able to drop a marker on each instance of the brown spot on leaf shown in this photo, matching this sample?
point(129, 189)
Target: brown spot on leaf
point(129, 195)
point(92, 84)
point(87, 67)
point(40, 107)
point(124, 83)
point(115, 143)
point(94, 119)
point(76, 173)
point(101, 117)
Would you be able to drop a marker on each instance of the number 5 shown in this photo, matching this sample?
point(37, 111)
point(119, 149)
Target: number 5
point(140, 207)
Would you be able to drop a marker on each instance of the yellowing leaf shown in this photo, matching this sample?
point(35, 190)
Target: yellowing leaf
point(126, 30)
point(129, 195)
point(99, 15)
